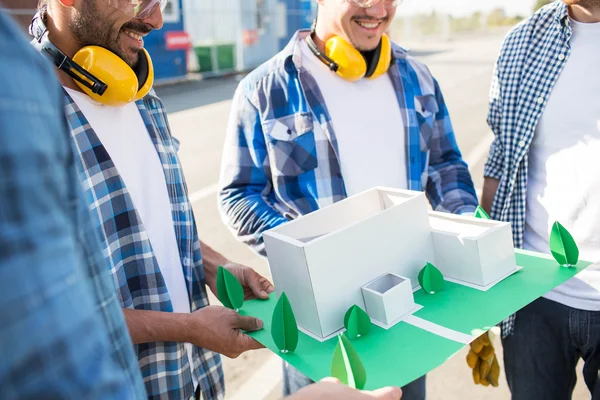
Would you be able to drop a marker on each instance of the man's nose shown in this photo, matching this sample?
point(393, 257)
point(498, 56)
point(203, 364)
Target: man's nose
point(377, 10)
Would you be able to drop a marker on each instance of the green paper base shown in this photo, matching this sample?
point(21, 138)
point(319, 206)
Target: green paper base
point(404, 353)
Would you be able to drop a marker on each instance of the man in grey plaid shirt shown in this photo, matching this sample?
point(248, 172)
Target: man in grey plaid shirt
point(543, 167)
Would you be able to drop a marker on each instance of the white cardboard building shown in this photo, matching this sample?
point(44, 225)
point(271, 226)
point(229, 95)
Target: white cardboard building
point(363, 250)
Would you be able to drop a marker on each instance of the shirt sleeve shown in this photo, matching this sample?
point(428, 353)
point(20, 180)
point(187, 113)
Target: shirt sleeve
point(245, 181)
point(449, 186)
point(52, 338)
point(494, 163)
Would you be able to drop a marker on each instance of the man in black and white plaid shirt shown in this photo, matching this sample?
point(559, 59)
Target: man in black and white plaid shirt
point(543, 167)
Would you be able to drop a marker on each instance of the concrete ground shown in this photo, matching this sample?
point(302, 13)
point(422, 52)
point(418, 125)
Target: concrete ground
point(199, 112)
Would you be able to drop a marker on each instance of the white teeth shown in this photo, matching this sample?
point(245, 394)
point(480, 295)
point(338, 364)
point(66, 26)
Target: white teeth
point(368, 25)
point(133, 35)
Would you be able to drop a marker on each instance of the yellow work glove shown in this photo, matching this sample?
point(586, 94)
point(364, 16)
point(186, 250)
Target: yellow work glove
point(482, 360)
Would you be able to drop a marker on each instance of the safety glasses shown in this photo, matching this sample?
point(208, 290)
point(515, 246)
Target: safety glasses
point(370, 3)
point(138, 8)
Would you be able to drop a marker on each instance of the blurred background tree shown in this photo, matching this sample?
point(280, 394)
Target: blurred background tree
point(540, 3)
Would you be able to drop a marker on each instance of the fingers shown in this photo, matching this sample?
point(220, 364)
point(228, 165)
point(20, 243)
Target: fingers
point(494, 373)
point(248, 324)
point(486, 353)
point(258, 284)
point(387, 393)
point(330, 379)
point(472, 358)
point(476, 376)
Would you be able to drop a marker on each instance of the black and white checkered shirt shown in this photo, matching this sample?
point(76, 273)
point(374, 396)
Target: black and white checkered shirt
point(532, 57)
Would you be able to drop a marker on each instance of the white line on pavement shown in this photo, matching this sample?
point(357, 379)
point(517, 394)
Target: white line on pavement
point(204, 193)
point(439, 330)
point(262, 382)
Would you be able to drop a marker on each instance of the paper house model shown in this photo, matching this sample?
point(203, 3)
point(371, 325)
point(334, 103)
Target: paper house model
point(325, 260)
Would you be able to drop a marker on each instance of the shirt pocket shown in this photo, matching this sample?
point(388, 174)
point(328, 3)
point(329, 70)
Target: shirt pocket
point(426, 108)
point(291, 144)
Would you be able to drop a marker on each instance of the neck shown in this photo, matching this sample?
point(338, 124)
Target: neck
point(321, 36)
point(585, 13)
point(66, 45)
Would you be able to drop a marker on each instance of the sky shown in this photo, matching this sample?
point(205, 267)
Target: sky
point(466, 7)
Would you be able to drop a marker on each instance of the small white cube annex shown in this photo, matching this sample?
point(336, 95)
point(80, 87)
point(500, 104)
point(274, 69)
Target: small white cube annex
point(471, 250)
point(388, 299)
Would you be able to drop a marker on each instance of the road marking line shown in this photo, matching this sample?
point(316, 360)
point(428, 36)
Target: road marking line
point(204, 193)
point(439, 330)
point(262, 382)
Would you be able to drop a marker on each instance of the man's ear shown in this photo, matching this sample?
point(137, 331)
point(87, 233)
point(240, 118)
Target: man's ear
point(67, 3)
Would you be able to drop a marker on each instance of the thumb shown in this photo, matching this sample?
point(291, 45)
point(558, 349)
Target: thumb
point(248, 343)
point(249, 324)
point(387, 393)
point(255, 283)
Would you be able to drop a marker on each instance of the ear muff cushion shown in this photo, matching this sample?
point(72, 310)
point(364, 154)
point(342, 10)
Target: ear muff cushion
point(109, 68)
point(145, 74)
point(372, 66)
point(385, 58)
point(352, 65)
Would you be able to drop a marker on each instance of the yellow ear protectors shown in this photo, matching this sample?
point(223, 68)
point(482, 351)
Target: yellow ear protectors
point(100, 73)
point(342, 58)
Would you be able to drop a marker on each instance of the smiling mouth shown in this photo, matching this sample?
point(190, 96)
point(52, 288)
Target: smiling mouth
point(368, 24)
point(133, 35)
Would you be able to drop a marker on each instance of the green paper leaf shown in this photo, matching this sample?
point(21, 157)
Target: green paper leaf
point(346, 365)
point(563, 246)
point(284, 329)
point(431, 279)
point(480, 213)
point(229, 289)
point(357, 322)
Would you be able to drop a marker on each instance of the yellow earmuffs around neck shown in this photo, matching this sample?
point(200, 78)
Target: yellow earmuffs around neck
point(346, 61)
point(100, 73)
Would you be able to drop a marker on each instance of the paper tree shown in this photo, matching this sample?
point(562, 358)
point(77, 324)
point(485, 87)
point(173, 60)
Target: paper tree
point(229, 289)
point(346, 365)
point(563, 246)
point(480, 213)
point(284, 329)
point(431, 279)
point(357, 322)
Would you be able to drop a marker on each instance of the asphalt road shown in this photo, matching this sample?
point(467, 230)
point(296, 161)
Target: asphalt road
point(198, 114)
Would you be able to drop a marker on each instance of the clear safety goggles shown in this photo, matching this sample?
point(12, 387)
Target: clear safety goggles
point(138, 8)
point(370, 3)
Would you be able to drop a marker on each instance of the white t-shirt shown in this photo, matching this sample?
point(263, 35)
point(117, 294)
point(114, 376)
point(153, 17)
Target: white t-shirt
point(564, 167)
point(124, 135)
point(368, 127)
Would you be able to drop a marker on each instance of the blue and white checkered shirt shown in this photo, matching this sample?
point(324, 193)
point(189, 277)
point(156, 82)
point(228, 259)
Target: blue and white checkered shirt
point(128, 252)
point(270, 175)
point(532, 57)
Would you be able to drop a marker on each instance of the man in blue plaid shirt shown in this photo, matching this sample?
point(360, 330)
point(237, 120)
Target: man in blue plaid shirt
point(134, 185)
point(543, 167)
point(62, 333)
point(340, 110)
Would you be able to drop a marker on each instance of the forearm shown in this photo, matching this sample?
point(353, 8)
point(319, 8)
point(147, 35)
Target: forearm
point(490, 187)
point(156, 326)
point(211, 259)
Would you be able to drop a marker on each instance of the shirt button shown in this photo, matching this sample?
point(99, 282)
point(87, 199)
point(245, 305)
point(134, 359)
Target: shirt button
point(561, 57)
point(541, 100)
point(521, 143)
